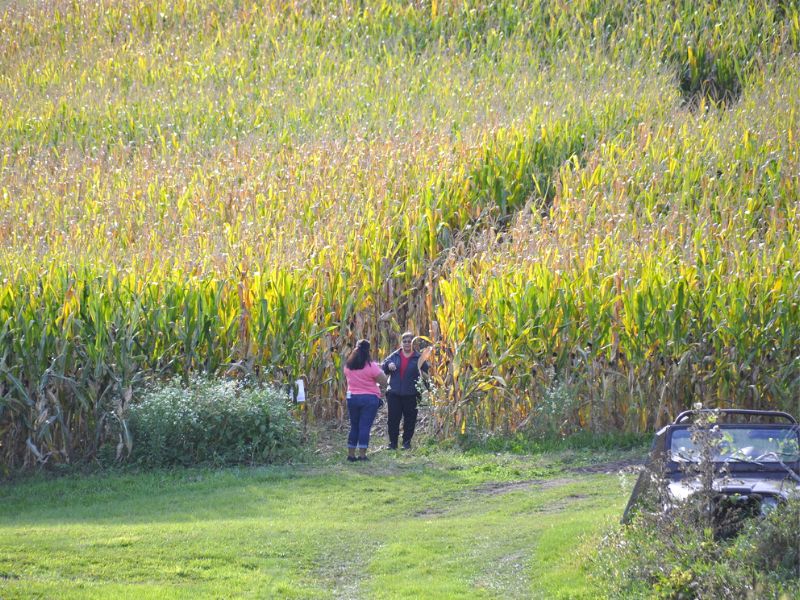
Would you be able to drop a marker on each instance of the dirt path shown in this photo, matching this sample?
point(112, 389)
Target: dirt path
point(628, 466)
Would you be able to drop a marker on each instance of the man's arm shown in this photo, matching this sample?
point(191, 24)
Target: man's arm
point(388, 366)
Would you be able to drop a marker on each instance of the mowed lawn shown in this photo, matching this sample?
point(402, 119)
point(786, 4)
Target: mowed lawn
point(424, 524)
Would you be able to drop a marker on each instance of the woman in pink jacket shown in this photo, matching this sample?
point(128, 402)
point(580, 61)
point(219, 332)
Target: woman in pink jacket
point(366, 384)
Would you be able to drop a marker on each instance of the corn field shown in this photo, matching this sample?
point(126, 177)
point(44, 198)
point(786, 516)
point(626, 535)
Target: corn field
point(598, 198)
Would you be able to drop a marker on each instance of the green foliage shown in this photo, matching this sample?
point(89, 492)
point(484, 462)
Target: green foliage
point(528, 442)
point(673, 559)
point(770, 545)
point(634, 314)
point(212, 422)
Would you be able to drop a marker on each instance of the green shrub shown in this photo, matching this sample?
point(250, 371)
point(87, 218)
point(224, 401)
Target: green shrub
point(532, 442)
point(670, 557)
point(696, 550)
point(212, 421)
point(772, 544)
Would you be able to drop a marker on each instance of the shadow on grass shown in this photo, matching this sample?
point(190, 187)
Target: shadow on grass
point(199, 494)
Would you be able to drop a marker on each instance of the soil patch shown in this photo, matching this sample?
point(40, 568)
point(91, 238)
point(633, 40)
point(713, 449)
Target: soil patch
point(495, 489)
point(628, 465)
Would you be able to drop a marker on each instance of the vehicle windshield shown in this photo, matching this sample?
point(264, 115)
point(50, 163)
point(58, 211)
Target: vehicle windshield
point(742, 444)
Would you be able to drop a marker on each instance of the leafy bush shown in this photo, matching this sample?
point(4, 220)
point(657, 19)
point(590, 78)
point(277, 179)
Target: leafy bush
point(212, 422)
point(772, 544)
point(665, 557)
point(695, 551)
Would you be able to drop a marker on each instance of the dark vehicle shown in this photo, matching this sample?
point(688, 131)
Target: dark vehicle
point(754, 459)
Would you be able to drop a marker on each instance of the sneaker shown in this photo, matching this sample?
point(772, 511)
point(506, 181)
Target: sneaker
point(406, 445)
point(391, 447)
point(351, 459)
point(363, 458)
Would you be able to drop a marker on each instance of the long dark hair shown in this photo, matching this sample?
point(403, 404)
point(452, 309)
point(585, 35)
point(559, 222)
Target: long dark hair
point(359, 356)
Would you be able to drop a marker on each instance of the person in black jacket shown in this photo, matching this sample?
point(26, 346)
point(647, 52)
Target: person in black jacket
point(403, 368)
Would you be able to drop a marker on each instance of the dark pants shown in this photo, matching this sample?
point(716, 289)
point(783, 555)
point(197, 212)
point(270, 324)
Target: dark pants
point(405, 408)
point(362, 409)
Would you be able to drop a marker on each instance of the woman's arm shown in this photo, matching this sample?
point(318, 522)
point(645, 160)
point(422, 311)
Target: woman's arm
point(382, 382)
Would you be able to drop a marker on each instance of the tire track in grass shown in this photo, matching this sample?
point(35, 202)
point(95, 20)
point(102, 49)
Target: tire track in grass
point(542, 484)
point(344, 566)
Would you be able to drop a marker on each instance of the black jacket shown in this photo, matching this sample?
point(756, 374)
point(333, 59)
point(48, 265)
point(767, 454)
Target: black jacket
point(407, 385)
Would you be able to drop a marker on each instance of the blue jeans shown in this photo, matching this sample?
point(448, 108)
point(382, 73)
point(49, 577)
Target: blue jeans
point(362, 409)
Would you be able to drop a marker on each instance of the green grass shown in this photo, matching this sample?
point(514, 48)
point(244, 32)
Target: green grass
point(431, 523)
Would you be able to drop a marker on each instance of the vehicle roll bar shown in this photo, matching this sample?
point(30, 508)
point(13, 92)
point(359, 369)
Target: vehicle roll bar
point(777, 414)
